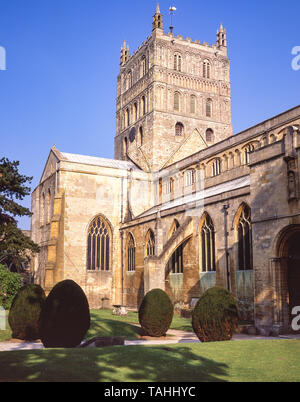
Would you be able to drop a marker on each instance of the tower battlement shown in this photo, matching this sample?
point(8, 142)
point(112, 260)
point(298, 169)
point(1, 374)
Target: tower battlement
point(168, 89)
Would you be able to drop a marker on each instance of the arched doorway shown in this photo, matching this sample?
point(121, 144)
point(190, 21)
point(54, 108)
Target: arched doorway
point(293, 271)
point(287, 276)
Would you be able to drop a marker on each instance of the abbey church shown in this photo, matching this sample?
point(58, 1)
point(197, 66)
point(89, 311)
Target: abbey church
point(184, 205)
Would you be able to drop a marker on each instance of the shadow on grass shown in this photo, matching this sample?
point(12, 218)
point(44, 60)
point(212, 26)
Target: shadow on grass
point(111, 327)
point(111, 364)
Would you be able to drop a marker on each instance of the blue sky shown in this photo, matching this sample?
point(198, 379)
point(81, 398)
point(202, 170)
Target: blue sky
point(63, 59)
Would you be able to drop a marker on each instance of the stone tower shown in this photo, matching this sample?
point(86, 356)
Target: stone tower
point(173, 98)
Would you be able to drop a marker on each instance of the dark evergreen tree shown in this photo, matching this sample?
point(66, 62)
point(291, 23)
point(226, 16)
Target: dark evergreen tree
point(15, 246)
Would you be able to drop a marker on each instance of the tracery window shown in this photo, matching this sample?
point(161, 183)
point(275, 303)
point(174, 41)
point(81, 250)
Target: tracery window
point(206, 69)
point(98, 245)
point(42, 211)
point(130, 253)
point(245, 240)
point(177, 62)
point(150, 243)
point(176, 261)
point(48, 206)
point(208, 260)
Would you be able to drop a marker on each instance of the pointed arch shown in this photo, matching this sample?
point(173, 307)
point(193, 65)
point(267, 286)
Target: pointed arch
point(48, 206)
point(243, 230)
point(207, 244)
point(130, 252)
point(175, 225)
point(150, 243)
point(42, 210)
point(99, 244)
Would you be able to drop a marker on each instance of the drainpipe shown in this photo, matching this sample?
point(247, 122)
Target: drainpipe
point(224, 210)
point(122, 269)
point(122, 237)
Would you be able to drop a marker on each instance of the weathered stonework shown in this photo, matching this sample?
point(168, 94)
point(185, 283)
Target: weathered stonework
point(168, 185)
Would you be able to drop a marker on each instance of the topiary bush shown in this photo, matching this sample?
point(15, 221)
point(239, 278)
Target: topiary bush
point(156, 313)
point(65, 316)
point(215, 317)
point(24, 313)
point(10, 283)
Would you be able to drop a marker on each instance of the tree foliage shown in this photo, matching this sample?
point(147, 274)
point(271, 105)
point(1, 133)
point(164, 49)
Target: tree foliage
point(10, 283)
point(15, 246)
point(215, 316)
point(156, 313)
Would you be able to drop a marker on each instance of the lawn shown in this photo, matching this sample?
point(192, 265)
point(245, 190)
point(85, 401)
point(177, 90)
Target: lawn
point(254, 360)
point(104, 323)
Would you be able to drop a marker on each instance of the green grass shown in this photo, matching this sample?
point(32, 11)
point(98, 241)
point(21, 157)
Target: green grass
point(104, 323)
point(269, 360)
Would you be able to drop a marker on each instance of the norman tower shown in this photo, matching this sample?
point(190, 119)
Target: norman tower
point(173, 98)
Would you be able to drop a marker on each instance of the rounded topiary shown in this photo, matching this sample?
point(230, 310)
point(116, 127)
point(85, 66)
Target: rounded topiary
point(65, 316)
point(156, 313)
point(25, 311)
point(215, 316)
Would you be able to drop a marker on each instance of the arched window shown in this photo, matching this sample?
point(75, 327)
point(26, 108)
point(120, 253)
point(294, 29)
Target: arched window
point(42, 211)
point(216, 167)
point(135, 108)
point(206, 69)
point(48, 206)
point(98, 245)
point(140, 136)
point(143, 106)
point(179, 128)
point(127, 118)
point(177, 62)
point(247, 150)
point(129, 80)
point(177, 101)
point(150, 243)
point(207, 237)
point(209, 108)
point(190, 177)
point(169, 186)
point(244, 239)
point(193, 104)
point(209, 135)
point(143, 66)
point(176, 262)
point(130, 253)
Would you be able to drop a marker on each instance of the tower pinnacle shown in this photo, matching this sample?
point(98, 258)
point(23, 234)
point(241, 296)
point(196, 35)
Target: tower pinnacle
point(221, 37)
point(157, 19)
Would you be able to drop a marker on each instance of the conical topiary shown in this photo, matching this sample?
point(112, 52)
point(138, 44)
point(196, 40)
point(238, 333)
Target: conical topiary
point(215, 316)
point(65, 317)
point(156, 313)
point(25, 311)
